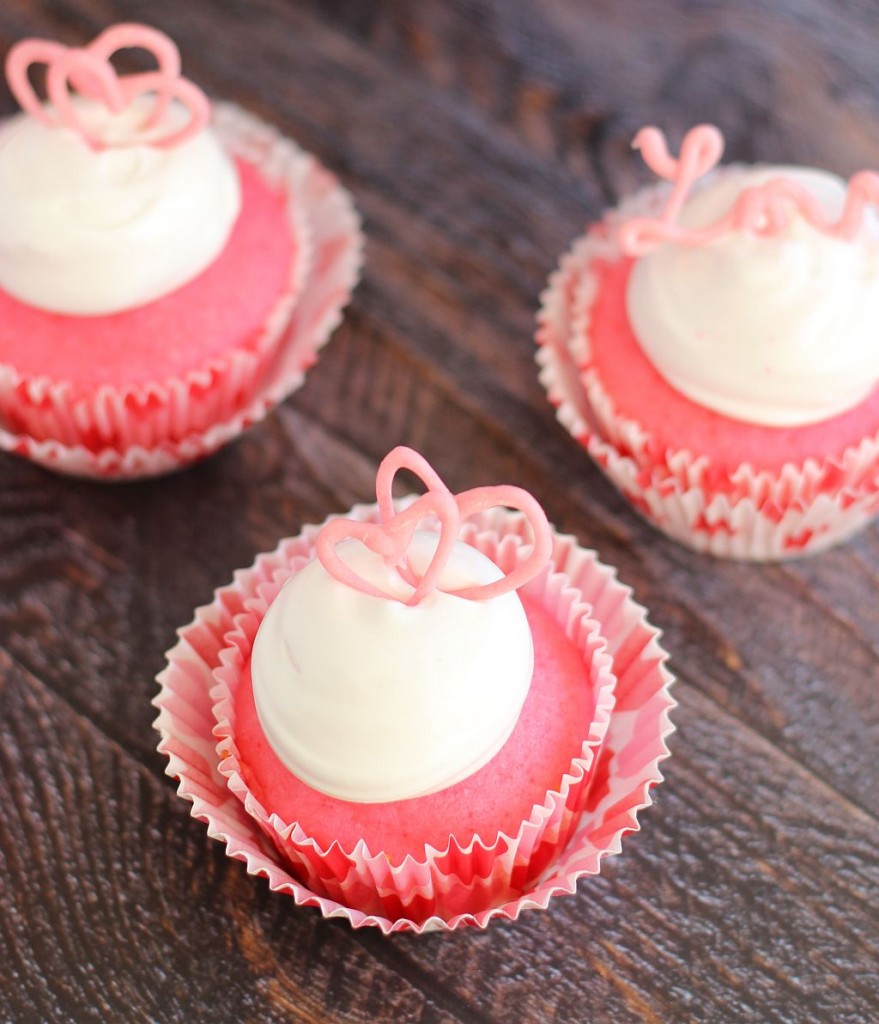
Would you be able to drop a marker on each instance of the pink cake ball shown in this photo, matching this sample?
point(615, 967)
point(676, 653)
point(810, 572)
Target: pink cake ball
point(711, 346)
point(350, 804)
point(153, 254)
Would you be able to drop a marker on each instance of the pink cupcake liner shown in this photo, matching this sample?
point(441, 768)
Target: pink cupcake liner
point(562, 841)
point(190, 418)
point(758, 515)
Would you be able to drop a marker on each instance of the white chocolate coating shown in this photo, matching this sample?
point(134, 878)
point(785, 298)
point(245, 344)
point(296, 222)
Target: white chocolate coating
point(87, 232)
point(371, 700)
point(780, 331)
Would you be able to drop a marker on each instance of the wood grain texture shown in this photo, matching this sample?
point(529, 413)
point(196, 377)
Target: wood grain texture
point(477, 137)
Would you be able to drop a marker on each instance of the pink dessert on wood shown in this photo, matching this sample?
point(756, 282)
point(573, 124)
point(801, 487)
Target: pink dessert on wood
point(712, 346)
point(413, 711)
point(153, 254)
point(430, 713)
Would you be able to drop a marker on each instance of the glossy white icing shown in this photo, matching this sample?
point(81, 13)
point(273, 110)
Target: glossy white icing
point(780, 330)
point(372, 700)
point(88, 232)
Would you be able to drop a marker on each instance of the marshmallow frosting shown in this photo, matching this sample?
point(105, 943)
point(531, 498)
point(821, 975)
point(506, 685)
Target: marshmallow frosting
point(91, 232)
point(776, 330)
point(373, 700)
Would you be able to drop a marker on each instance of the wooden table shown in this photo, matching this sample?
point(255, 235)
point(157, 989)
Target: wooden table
point(477, 136)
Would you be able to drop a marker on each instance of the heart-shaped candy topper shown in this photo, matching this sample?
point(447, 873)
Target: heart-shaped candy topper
point(391, 536)
point(761, 210)
point(88, 72)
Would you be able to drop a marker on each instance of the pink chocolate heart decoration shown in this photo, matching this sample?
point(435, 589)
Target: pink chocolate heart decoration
point(88, 71)
point(390, 538)
point(761, 210)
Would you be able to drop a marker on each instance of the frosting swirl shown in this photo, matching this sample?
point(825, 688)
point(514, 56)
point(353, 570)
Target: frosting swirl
point(90, 232)
point(373, 700)
point(778, 330)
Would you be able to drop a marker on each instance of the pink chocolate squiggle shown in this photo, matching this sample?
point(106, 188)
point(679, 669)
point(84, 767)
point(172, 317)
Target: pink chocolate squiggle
point(88, 72)
point(390, 538)
point(761, 210)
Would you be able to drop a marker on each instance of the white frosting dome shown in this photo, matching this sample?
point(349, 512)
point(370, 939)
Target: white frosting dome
point(780, 331)
point(88, 232)
point(371, 700)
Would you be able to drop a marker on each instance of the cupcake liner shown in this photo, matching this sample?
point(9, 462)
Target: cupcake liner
point(561, 842)
point(165, 426)
point(760, 515)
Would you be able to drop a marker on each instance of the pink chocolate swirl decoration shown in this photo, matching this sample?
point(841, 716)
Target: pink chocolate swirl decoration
point(762, 210)
point(87, 71)
point(391, 536)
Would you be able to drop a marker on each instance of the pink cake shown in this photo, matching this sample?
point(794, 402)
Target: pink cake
point(191, 334)
point(711, 351)
point(413, 731)
point(673, 422)
point(496, 799)
point(154, 260)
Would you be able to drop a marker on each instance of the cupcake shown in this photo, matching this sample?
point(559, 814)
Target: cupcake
point(168, 269)
point(426, 714)
point(710, 344)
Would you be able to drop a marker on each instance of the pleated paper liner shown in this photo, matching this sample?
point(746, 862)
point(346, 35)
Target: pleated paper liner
point(756, 514)
point(567, 839)
point(165, 426)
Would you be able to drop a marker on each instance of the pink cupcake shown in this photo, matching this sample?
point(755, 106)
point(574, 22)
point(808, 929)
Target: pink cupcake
point(163, 265)
point(713, 351)
point(428, 714)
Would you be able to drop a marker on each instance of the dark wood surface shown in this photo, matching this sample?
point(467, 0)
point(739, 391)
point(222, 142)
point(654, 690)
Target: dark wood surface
point(477, 136)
